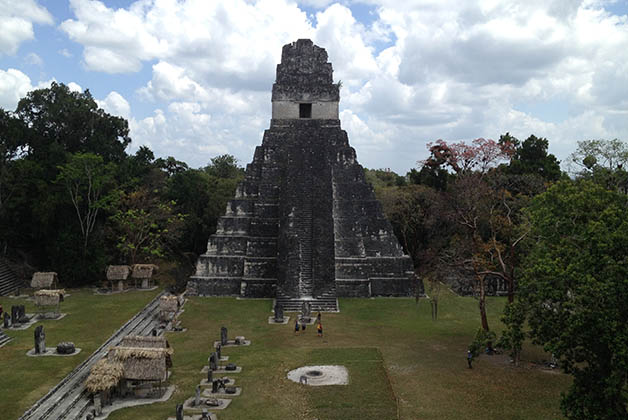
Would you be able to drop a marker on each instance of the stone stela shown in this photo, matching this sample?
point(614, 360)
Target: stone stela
point(304, 224)
point(40, 340)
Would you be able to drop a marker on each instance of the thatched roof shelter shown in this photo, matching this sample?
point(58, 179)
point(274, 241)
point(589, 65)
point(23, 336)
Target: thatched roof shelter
point(118, 272)
point(46, 297)
point(43, 280)
point(169, 303)
point(105, 374)
point(143, 271)
point(142, 363)
point(145, 341)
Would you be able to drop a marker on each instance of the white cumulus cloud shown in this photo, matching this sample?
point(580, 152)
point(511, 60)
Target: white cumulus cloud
point(13, 86)
point(417, 71)
point(16, 20)
point(115, 104)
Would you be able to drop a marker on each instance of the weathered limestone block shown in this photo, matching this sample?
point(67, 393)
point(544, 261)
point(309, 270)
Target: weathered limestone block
point(233, 225)
point(260, 267)
point(240, 208)
point(255, 287)
point(266, 210)
point(227, 245)
point(261, 246)
point(264, 227)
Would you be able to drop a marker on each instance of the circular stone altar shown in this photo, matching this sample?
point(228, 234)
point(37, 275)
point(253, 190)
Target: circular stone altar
point(320, 375)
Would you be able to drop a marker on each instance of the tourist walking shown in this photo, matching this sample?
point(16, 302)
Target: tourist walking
point(319, 328)
point(296, 325)
point(469, 358)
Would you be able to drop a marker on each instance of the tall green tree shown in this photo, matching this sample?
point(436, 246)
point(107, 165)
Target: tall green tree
point(574, 289)
point(381, 178)
point(470, 199)
point(602, 161)
point(62, 121)
point(224, 166)
point(145, 226)
point(192, 192)
point(88, 182)
point(530, 157)
point(11, 148)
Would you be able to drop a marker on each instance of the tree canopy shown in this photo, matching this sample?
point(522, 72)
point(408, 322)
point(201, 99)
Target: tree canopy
point(72, 200)
point(575, 288)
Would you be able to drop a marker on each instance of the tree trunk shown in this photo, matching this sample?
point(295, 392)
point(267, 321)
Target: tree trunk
point(511, 276)
point(434, 304)
point(483, 303)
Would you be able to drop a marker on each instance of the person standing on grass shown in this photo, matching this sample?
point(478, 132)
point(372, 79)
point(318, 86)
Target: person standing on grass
point(319, 328)
point(469, 358)
point(296, 326)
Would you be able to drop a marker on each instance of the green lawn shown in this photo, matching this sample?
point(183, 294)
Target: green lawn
point(401, 363)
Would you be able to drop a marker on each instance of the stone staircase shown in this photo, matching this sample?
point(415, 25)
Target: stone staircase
point(9, 282)
point(4, 338)
point(326, 302)
point(304, 227)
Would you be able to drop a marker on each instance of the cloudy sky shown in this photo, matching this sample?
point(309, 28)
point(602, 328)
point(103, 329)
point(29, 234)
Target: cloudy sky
point(194, 77)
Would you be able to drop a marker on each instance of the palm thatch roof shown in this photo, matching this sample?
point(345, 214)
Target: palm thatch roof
point(142, 363)
point(145, 341)
point(48, 297)
point(143, 271)
point(50, 292)
point(118, 272)
point(105, 374)
point(168, 303)
point(43, 280)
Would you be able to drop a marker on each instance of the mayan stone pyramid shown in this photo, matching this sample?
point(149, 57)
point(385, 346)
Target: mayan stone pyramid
point(304, 225)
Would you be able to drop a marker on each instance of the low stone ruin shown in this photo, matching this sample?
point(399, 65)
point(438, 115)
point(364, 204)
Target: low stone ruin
point(66, 347)
point(18, 315)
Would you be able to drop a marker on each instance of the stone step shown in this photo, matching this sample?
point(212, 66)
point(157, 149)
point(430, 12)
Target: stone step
point(9, 282)
point(4, 338)
point(317, 305)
